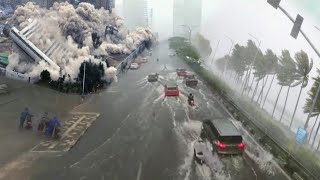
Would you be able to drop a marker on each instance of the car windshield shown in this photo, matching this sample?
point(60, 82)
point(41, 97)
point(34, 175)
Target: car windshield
point(91, 65)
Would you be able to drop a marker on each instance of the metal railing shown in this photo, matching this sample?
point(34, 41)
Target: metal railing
point(17, 75)
point(131, 57)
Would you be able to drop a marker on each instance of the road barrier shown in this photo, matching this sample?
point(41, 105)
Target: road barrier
point(128, 60)
point(17, 76)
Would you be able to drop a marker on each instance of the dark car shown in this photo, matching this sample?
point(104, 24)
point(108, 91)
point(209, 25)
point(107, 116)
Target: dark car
point(191, 80)
point(224, 136)
point(153, 77)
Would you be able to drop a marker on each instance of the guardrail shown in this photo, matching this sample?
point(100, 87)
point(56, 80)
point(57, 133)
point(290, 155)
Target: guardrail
point(17, 75)
point(131, 57)
point(260, 127)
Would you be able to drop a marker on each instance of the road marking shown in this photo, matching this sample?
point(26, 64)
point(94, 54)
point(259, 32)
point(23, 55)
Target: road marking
point(139, 171)
point(67, 132)
point(254, 173)
point(72, 130)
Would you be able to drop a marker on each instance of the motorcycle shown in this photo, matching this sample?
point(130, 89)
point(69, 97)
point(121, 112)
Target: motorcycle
point(191, 102)
point(56, 133)
point(29, 123)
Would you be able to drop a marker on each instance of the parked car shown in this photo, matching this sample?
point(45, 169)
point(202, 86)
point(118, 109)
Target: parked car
point(134, 66)
point(171, 90)
point(153, 77)
point(224, 136)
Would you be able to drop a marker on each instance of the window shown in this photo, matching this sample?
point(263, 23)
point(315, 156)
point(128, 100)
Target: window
point(231, 139)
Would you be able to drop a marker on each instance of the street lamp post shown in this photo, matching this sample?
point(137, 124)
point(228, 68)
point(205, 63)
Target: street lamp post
point(276, 4)
point(215, 51)
point(84, 77)
point(232, 43)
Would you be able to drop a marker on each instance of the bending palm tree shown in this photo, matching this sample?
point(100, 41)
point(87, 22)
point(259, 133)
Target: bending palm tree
point(288, 66)
point(285, 75)
point(303, 69)
point(272, 66)
point(309, 101)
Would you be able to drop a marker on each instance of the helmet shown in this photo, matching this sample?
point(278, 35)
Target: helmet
point(190, 94)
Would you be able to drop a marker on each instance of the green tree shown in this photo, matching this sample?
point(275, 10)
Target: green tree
point(303, 69)
point(286, 73)
point(237, 60)
point(309, 102)
point(250, 53)
point(93, 76)
point(45, 76)
point(202, 44)
point(270, 64)
point(259, 65)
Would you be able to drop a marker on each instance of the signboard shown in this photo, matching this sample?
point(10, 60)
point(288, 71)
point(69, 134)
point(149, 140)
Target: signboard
point(296, 27)
point(301, 135)
point(274, 3)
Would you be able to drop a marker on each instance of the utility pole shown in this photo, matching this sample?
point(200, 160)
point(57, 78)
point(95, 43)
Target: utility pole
point(84, 77)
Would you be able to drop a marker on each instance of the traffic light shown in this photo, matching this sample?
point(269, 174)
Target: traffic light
point(274, 3)
point(296, 27)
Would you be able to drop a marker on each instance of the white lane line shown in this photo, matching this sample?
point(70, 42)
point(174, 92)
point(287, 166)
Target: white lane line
point(254, 173)
point(139, 171)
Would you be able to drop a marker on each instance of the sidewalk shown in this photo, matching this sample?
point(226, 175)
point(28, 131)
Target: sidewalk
point(38, 99)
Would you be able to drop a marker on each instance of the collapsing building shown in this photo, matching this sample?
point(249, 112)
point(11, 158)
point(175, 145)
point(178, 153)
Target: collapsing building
point(61, 38)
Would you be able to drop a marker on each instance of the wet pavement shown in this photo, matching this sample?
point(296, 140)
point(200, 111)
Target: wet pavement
point(140, 134)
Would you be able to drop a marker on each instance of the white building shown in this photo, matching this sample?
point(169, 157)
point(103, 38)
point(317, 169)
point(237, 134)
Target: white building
point(189, 13)
point(135, 13)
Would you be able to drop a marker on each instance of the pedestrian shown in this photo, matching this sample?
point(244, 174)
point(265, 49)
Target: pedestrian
point(24, 115)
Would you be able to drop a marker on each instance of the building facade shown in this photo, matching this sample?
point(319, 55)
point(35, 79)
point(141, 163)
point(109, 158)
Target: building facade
point(186, 13)
point(135, 13)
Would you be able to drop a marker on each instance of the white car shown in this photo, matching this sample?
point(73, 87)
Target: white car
point(145, 59)
point(171, 54)
point(134, 66)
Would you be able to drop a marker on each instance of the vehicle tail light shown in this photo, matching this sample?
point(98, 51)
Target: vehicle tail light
point(220, 145)
point(241, 145)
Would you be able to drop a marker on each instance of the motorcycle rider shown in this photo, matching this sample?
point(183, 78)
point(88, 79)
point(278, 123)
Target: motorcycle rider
point(190, 98)
point(53, 127)
point(24, 115)
point(43, 123)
